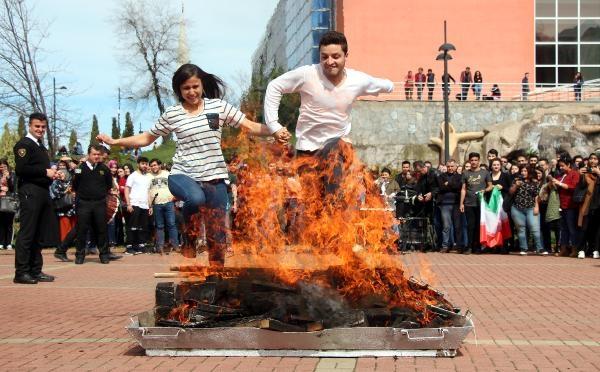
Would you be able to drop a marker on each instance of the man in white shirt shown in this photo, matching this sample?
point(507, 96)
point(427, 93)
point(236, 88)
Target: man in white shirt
point(327, 91)
point(136, 197)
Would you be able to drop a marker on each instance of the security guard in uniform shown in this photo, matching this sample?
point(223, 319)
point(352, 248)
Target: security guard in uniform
point(36, 211)
point(92, 182)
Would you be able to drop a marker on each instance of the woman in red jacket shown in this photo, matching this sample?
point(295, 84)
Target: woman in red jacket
point(569, 210)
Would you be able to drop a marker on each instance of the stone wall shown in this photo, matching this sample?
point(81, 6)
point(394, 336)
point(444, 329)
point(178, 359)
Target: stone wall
point(386, 133)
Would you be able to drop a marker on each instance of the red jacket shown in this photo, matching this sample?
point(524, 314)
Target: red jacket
point(566, 195)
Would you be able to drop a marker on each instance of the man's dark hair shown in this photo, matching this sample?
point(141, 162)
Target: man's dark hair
point(406, 162)
point(95, 146)
point(534, 156)
point(155, 160)
point(543, 159)
point(386, 170)
point(38, 116)
point(334, 37)
point(418, 164)
point(142, 159)
point(427, 162)
point(493, 152)
point(474, 155)
point(566, 159)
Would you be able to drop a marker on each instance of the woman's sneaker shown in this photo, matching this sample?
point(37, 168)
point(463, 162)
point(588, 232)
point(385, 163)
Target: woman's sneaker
point(596, 254)
point(543, 253)
point(523, 253)
point(581, 254)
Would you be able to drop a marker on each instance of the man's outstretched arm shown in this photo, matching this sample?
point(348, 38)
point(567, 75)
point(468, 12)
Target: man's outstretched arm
point(289, 82)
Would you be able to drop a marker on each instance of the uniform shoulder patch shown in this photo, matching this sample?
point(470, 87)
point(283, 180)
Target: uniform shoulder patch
point(22, 152)
point(101, 172)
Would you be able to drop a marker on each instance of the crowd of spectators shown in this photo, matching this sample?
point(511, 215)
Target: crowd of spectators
point(553, 205)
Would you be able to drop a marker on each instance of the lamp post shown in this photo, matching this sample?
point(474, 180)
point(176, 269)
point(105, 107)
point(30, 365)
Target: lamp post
point(54, 138)
point(445, 56)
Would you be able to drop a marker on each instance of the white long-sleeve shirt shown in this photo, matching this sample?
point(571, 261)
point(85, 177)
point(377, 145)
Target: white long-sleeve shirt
point(325, 108)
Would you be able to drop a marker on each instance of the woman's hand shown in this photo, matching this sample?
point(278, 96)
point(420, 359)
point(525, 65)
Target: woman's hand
point(282, 136)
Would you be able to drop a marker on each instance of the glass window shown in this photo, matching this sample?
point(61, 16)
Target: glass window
point(590, 73)
point(566, 74)
point(545, 75)
point(321, 4)
point(320, 19)
point(316, 56)
point(567, 30)
point(545, 30)
point(590, 8)
point(567, 8)
point(590, 54)
point(545, 54)
point(545, 8)
point(590, 29)
point(567, 54)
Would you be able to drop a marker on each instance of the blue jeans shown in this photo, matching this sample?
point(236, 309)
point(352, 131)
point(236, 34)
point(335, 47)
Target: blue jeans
point(209, 198)
point(164, 214)
point(524, 218)
point(569, 232)
point(451, 222)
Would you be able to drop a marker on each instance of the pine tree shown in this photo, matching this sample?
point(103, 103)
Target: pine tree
point(128, 130)
point(7, 141)
point(115, 129)
point(21, 131)
point(95, 130)
point(72, 139)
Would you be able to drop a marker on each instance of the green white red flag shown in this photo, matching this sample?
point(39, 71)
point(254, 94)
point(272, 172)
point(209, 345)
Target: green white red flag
point(494, 226)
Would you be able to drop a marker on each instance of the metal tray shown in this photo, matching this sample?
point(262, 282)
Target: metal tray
point(334, 342)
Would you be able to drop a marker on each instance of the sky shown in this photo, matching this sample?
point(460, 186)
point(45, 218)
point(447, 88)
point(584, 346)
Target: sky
point(82, 49)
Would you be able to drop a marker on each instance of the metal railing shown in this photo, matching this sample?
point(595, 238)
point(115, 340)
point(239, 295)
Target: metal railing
point(589, 92)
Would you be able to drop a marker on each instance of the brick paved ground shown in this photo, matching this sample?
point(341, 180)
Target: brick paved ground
point(531, 314)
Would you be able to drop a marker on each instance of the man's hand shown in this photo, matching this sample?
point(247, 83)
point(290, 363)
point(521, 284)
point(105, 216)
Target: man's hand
point(428, 196)
point(51, 173)
point(461, 208)
point(282, 136)
point(105, 138)
point(129, 209)
point(596, 171)
point(150, 210)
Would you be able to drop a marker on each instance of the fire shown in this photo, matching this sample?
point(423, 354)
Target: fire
point(286, 223)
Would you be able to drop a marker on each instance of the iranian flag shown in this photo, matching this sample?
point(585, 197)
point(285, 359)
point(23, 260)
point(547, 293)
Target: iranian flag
point(494, 227)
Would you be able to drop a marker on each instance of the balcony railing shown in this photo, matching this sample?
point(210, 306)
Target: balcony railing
point(590, 92)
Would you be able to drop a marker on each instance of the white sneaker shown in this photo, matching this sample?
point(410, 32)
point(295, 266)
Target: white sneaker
point(581, 254)
point(544, 253)
point(1, 246)
point(523, 253)
point(9, 247)
point(596, 254)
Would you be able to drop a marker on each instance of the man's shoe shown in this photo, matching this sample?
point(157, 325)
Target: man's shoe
point(564, 251)
point(25, 279)
point(581, 254)
point(574, 252)
point(43, 277)
point(444, 250)
point(61, 257)
point(79, 260)
point(467, 251)
point(523, 253)
point(596, 254)
point(114, 257)
point(104, 260)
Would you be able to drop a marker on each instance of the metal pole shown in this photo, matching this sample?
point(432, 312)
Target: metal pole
point(446, 105)
point(119, 113)
point(53, 136)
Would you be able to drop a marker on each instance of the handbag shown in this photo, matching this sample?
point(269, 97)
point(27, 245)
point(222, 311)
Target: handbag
point(580, 191)
point(9, 204)
point(63, 203)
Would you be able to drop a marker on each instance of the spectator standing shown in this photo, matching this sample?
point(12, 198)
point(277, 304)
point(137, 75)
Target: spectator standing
point(525, 209)
point(525, 87)
point(7, 188)
point(409, 84)
point(474, 181)
point(163, 207)
point(569, 232)
point(448, 197)
point(420, 80)
point(502, 181)
point(136, 199)
point(477, 85)
point(430, 84)
point(466, 79)
point(578, 85)
point(496, 94)
point(589, 218)
point(387, 187)
point(37, 216)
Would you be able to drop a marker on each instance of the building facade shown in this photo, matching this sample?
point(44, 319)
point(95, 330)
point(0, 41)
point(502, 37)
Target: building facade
point(550, 39)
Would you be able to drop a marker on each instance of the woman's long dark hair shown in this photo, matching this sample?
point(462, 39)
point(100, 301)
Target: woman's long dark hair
point(212, 85)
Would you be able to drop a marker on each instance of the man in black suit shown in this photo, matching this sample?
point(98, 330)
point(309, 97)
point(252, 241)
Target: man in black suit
point(36, 212)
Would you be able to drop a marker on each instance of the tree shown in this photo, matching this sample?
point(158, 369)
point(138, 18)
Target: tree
point(148, 33)
point(128, 130)
point(21, 82)
point(7, 141)
point(115, 129)
point(72, 139)
point(21, 131)
point(95, 130)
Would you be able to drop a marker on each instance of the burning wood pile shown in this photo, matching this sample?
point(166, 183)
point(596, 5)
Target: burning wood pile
point(312, 301)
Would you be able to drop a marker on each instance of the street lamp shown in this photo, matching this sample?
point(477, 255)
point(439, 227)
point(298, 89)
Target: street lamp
point(119, 110)
point(54, 138)
point(444, 56)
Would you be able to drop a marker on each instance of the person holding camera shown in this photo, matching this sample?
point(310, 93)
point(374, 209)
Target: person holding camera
point(526, 209)
point(569, 232)
point(589, 211)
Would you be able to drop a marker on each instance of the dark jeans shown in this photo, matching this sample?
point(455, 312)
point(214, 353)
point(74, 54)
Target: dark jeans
point(430, 88)
point(590, 241)
point(419, 90)
point(209, 198)
point(465, 91)
point(91, 214)
point(112, 233)
point(451, 221)
point(408, 93)
point(569, 232)
point(6, 228)
point(39, 227)
point(138, 226)
point(547, 229)
point(473, 221)
point(164, 214)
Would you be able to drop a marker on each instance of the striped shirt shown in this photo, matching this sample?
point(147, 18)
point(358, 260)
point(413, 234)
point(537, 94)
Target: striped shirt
point(198, 153)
